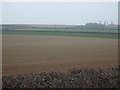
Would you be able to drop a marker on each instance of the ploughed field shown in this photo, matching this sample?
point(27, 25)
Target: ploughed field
point(74, 78)
point(45, 53)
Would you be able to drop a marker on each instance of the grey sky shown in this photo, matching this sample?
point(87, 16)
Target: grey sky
point(59, 13)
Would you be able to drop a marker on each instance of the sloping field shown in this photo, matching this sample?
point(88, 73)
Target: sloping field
point(35, 53)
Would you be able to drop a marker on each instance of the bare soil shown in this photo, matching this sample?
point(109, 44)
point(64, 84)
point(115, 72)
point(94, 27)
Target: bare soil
point(35, 53)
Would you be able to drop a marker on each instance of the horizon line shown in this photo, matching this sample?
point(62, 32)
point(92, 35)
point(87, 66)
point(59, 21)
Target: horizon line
point(58, 24)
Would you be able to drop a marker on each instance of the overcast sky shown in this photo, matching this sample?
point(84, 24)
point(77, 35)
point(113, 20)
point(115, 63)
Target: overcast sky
point(59, 12)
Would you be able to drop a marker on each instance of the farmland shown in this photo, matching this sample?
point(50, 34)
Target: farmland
point(29, 49)
point(37, 53)
point(59, 30)
point(47, 53)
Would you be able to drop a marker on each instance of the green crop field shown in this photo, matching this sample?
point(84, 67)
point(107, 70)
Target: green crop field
point(97, 35)
point(59, 29)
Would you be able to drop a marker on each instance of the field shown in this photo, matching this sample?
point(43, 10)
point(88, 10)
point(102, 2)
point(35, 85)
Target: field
point(26, 53)
point(74, 78)
point(65, 32)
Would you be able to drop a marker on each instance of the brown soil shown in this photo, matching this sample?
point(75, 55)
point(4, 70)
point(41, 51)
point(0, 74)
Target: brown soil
point(34, 53)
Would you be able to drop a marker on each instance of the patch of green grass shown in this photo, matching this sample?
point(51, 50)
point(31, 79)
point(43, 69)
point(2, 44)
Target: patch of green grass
point(78, 30)
point(65, 34)
point(0, 31)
